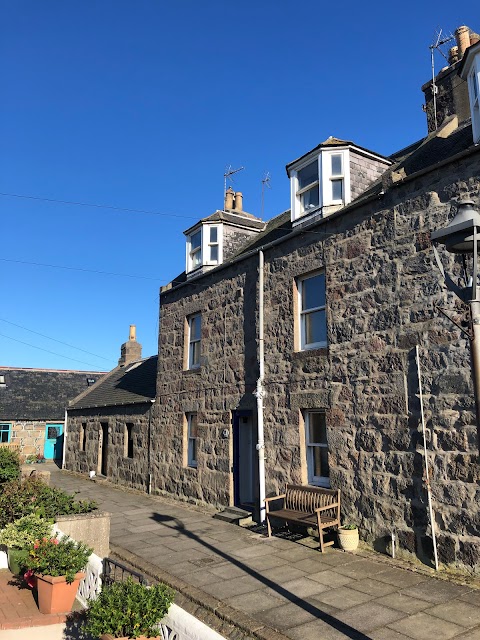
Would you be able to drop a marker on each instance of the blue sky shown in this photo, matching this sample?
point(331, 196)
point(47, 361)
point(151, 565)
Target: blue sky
point(141, 105)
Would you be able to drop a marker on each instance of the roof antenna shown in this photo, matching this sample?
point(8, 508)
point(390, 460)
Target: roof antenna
point(229, 172)
point(439, 41)
point(265, 185)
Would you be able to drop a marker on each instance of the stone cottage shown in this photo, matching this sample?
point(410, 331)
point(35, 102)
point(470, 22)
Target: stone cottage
point(32, 407)
point(109, 426)
point(288, 348)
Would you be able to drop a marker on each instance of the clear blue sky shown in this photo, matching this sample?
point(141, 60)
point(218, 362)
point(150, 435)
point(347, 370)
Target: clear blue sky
point(142, 105)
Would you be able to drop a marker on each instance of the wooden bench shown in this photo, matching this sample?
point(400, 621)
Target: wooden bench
point(309, 506)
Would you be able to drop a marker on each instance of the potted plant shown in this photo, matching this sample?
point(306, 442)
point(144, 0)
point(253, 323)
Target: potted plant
point(348, 537)
point(20, 535)
point(128, 610)
point(58, 566)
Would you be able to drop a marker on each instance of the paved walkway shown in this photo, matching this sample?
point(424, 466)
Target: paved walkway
point(278, 584)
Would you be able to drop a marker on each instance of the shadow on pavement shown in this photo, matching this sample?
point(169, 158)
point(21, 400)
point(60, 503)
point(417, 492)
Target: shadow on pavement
point(347, 630)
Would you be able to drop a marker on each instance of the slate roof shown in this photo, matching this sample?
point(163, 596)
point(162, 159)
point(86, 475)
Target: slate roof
point(243, 219)
point(133, 384)
point(40, 394)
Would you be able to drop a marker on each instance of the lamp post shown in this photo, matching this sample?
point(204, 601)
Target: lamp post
point(461, 237)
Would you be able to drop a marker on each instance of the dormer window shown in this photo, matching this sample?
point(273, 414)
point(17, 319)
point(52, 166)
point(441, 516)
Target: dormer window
point(322, 181)
point(196, 249)
point(308, 182)
point(204, 247)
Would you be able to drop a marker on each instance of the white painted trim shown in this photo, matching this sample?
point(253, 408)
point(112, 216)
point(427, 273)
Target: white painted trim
point(180, 624)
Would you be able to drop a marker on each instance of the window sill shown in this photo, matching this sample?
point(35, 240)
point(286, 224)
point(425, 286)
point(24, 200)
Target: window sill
point(188, 372)
point(310, 353)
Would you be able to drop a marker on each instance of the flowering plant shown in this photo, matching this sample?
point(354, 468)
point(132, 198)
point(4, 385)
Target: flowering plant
point(23, 532)
point(53, 557)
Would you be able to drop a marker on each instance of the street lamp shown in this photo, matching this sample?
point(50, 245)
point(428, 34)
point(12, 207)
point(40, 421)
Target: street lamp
point(461, 237)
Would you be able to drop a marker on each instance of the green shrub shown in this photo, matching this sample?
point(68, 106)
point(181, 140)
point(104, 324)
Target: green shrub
point(128, 609)
point(9, 465)
point(18, 499)
point(25, 531)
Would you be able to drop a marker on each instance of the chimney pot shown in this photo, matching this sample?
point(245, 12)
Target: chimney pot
point(229, 199)
point(238, 201)
point(133, 332)
point(453, 55)
point(130, 351)
point(462, 35)
point(474, 38)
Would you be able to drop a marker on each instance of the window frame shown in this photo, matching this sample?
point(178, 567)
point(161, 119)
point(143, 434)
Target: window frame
point(192, 455)
point(128, 440)
point(198, 250)
point(324, 182)
point(317, 481)
point(192, 342)
point(209, 244)
point(303, 313)
point(8, 431)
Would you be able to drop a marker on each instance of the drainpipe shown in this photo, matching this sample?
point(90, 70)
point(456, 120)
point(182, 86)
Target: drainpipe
point(260, 391)
point(64, 440)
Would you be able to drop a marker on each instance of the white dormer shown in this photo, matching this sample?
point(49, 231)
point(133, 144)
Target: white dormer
point(470, 72)
point(214, 239)
point(330, 176)
point(204, 246)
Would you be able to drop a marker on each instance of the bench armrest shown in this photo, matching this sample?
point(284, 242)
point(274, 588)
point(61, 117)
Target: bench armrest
point(275, 497)
point(328, 506)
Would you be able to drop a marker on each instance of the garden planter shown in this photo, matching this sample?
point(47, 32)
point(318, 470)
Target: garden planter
point(55, 595)
point(108, 636)
point(348, 539)
point(16, 560)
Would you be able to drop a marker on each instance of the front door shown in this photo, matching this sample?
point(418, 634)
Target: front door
point(244, 456)
point(102, 449)
point(53, 447)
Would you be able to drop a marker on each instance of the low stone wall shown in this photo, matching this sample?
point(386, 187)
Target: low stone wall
point(32, 471)
point(91, 528)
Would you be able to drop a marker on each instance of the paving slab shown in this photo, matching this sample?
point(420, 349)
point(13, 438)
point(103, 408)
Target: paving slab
point(404, 603)
point(457, 611)
point(421, 626)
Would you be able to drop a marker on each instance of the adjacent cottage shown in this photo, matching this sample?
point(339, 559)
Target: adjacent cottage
point(32, 407)
point(109, 425)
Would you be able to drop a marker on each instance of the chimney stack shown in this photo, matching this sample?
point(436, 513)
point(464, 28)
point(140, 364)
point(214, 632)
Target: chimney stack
point(132, 350)
point(238, 201)
point(229, 199)
point(462, 36)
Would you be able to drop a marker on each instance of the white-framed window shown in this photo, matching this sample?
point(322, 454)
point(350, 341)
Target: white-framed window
point(321, 181)
point(192, 439)
point(195, 250)
point(204, 246)
point(213, 244)
point(5, 431)
point(316, 448)
point(312, 311)
point(194, 340)
point(308, 195)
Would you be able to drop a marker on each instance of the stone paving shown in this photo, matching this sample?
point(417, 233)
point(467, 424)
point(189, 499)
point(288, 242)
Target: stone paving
point(278, 584)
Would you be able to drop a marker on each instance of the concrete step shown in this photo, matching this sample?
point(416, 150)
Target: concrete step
point(234, 515)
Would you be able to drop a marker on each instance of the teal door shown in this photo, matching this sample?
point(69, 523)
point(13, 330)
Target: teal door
point(53, 448)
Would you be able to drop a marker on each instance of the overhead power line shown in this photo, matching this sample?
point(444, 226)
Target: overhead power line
point(55, 340)
point(59, 266)
point(48, 351)
point(95, 205)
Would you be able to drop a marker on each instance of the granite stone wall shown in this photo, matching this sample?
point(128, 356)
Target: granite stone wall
point(29, 434)
point(131, 472)
point(382, 288)
point(363, 172)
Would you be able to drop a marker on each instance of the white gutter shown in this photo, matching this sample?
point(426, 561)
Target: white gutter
point(260, 391)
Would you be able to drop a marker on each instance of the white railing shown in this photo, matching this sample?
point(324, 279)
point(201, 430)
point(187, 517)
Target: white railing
point(178, 624)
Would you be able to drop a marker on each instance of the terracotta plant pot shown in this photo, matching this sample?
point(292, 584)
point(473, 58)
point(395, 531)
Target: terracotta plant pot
point(348, 539)
point(55, 595)
point(108, 636)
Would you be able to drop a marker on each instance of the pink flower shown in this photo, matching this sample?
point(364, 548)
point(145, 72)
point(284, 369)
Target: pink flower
point(55, 541)
point(29, 578)
point(36, 545)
